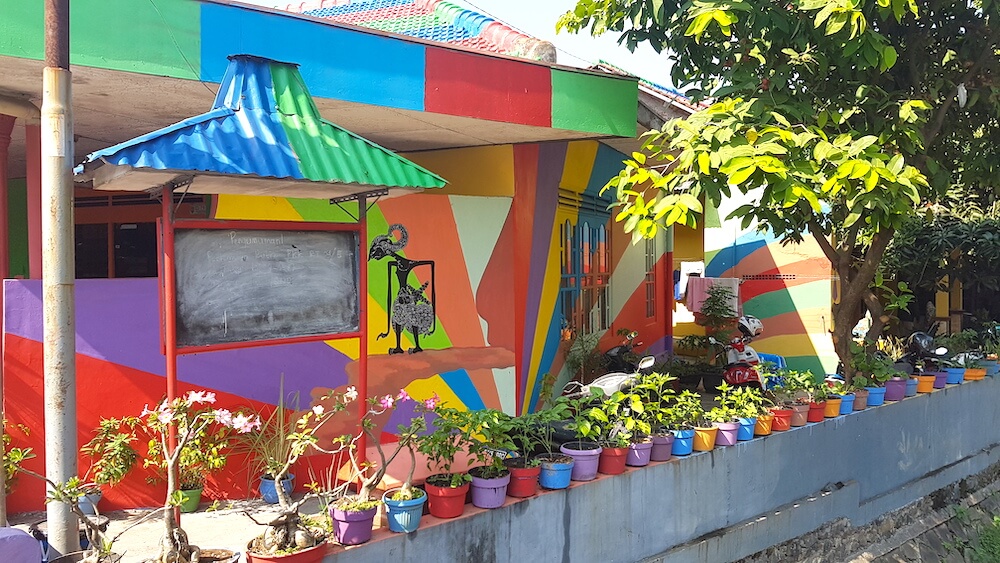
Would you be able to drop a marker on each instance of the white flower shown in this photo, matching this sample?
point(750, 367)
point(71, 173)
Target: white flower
point(351, 394)
point(318, 410)
point(224, 417)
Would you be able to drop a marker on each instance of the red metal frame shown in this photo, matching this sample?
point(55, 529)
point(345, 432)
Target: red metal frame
point(168, 296)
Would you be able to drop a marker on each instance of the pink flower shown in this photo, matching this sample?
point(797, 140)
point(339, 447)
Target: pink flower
point(351, 394)
point(432, 402)
point(164, 415)
point(224, 417)
point(145, 411)
point(243, 423)
point(318, 410)
point(386, 402)
point(403, 395)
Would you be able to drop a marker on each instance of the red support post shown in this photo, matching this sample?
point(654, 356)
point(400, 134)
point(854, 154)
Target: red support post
point(362, 323)
point(33, 160)
point(169, 288)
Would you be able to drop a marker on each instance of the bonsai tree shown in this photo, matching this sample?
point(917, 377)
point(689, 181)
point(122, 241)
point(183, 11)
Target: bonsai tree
point(190, 416)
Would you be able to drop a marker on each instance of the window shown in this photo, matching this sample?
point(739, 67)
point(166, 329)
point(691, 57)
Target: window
point(585, 255)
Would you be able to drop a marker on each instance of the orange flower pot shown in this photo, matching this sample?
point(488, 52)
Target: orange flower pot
point(975, 374)
point(832, 407)
point(925, 383)
point(763, 425)
point(704, 438)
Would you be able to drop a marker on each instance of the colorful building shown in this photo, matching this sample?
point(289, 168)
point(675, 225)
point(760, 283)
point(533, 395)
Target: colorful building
point(521, 240)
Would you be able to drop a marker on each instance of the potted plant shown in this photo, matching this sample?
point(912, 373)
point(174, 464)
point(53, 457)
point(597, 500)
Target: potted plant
point(818, 396)
point(706, 429)
point(684, 410)
point(353, 515)
point(726, 420)
point(655, 391)
point(609, 417)
point(747, 404)
point(446, 489)
point(111, 455)
point(585, 451)
point(13, 457)
point(873, 370)
point(490, 442)
point(191, 417)
point(269, 448)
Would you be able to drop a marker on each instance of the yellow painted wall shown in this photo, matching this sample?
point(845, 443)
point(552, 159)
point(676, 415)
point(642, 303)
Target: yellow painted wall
point(484, 171)
point(689, 246)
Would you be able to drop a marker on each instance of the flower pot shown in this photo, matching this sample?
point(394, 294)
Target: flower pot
point(704, 438)
point(876, 396)
point(800, 414)
point(992, 367)
point(612, 461)
point(352, 527)
point(662, 446)
point(683, 442)
point(219, 556)
point(312, 554)
point(639, 453)
point(445, 502)
point(975, 374)
point(925, 383)
point(268, 491)
point(940, 379)
point(190, 500)
point(586, 456)
point(816, 412)
point(911, 386)
point(764, 424)
point(782, 419)
point(832, 406)
point(860, 399)
point(726, 435)
point(847, 403)
point(556, 472)
point(746, 429)
point(523, 481)
point(955, 375)
point(895, 389)
point(88, 504)
point(489, 492)
point(403, 515)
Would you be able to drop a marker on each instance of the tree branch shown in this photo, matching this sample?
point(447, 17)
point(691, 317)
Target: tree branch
point(938, 122)
point(824, 243)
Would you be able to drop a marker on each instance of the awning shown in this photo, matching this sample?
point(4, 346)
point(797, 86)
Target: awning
point(263, 136)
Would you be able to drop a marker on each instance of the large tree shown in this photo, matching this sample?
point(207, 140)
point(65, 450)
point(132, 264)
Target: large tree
point(839, 119)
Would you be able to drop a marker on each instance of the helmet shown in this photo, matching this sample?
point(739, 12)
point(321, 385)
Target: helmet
point(751, 326)
point(919, 343)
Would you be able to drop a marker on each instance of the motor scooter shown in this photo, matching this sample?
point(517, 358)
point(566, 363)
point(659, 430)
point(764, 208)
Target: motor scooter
point(621, 358)
point(741, 358)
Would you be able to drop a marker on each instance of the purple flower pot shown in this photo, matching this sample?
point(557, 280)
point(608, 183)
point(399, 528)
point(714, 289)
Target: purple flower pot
point(895, 389)
point(638, 454)
point(353, 528)
point(661, 447)
point(489, 493)
point(586, 456)
point(940, 379)
point(727, 433)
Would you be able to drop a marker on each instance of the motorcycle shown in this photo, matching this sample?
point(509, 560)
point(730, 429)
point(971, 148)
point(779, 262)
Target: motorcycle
point(620, 358)
point(741, 358)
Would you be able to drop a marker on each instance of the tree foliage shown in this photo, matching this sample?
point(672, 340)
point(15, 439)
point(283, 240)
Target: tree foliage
point(839, 118)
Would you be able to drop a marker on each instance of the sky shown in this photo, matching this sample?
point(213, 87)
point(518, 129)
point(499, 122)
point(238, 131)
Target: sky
point(538, 19)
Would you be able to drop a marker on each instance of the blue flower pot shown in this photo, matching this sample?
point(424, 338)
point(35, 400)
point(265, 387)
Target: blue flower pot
point(269, 493)
point(555, 475)
point(404, 515)
point(955, 375)
point(876, 396)
point(683, 442)
point(911, 387)
point(847, 403)
point(745, 431)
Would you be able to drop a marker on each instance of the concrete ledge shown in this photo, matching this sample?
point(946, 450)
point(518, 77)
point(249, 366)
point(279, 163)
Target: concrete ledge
point(730, 502)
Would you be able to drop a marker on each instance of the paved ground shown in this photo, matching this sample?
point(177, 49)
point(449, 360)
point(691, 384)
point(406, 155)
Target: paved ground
point(223, 525)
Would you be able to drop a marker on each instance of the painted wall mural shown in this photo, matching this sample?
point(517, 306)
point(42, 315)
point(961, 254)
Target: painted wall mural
point(488, 266)
point(788, 287)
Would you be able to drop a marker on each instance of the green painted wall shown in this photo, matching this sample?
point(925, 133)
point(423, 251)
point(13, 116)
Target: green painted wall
point(17, 227)
point(584, 102)
point(116, 34)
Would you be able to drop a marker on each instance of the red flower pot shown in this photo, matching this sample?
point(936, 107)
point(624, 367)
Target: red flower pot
point(612, 461)
point(523, 481)
point(782, 419)
point(446, 502)
point(817, 412)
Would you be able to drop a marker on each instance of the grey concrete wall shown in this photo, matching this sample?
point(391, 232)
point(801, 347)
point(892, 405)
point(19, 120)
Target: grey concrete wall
point(730, 502)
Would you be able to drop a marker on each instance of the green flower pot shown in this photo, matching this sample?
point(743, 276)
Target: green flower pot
point(190, 500)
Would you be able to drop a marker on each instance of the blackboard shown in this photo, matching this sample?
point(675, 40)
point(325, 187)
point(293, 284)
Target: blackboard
point(238, 285)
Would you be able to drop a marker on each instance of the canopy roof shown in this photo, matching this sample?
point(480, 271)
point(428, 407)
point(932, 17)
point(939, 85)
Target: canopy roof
point(263, 136)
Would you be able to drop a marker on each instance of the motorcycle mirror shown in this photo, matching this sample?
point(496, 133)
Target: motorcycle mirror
point(633, 335)
point(647, 362)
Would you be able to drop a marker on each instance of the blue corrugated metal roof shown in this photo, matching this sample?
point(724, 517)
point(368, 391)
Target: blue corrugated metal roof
point(248, 132)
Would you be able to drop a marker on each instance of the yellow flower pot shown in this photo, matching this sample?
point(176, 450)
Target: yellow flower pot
point(832, 407)
point(704, 438)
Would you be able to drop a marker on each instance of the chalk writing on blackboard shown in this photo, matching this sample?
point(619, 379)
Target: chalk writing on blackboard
point(237, 285)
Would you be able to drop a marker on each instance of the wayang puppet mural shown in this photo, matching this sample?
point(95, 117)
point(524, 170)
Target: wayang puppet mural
point(410, 309)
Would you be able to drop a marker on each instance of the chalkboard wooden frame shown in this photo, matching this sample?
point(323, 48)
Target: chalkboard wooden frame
point(277, 227)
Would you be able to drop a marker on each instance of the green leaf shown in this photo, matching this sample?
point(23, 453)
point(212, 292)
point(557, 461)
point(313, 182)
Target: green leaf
point(740, 176)
point(889, 56)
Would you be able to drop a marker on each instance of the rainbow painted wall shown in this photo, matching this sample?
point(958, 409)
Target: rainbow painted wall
point(788, 287)
point(493, 235)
